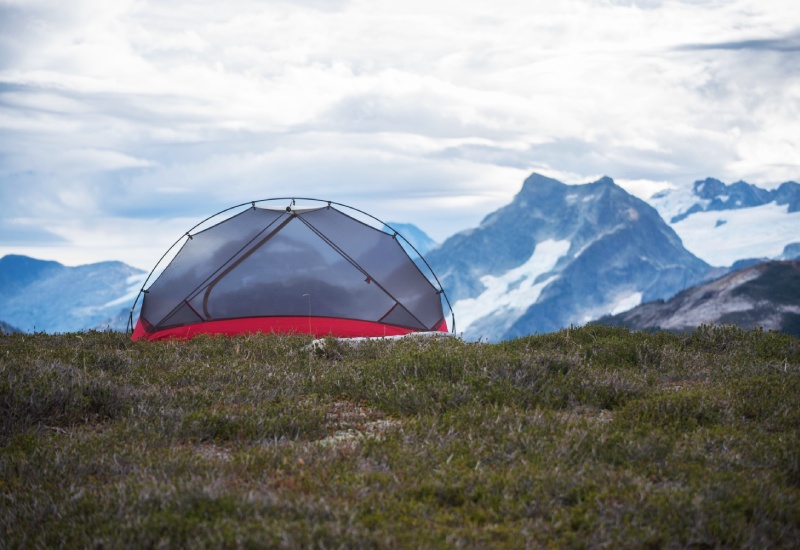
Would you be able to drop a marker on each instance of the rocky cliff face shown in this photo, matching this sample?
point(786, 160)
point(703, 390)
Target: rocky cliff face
point(765, 295)
point(559, 255)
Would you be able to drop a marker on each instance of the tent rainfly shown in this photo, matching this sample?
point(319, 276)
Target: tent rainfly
point(310, 270)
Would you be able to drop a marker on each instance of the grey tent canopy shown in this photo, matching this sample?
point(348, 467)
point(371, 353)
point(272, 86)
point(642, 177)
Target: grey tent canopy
point(309, 269)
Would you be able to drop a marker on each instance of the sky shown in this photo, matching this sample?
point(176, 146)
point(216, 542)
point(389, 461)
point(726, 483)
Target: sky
point(125, 122)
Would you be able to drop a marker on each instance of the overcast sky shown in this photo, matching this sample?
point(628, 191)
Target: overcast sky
point(125, 122)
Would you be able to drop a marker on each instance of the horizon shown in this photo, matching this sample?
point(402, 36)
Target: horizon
point(634, 188)
point(124, 124)
point(79, 258)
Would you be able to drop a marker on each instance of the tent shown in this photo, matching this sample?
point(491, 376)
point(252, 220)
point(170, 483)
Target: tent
point(314, 270)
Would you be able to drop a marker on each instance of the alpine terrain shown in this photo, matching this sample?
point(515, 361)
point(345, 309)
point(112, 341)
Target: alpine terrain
point(765, 295)
point(557, 255)
point(47, 296)
point(561, 255)
point(723, 224)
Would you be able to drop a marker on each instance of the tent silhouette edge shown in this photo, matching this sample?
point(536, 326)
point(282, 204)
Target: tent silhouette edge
point(363, 282)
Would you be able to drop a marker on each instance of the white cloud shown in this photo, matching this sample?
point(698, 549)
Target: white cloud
point(430, 112)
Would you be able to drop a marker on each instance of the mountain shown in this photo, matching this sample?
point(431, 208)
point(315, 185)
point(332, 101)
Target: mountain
point(791, 252)
point(559, 255)
point(713, 195)
point(765, 295)
point(725, 223)
point(47, 296)
point(416, 236)
point(5, 327)
point(16, 272)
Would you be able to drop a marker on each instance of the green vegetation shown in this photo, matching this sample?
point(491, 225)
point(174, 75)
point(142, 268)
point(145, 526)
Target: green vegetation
point(588, 437)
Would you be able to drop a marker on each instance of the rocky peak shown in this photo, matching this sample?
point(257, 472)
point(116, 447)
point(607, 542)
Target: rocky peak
point(708, 188)
point(560, 254)
point(788, 193)
point(537, 183)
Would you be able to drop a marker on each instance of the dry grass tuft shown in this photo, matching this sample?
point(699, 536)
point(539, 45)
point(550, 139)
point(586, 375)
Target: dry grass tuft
point(589, 437)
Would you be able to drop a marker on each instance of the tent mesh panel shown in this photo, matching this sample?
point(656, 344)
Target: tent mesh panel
point(266, 263)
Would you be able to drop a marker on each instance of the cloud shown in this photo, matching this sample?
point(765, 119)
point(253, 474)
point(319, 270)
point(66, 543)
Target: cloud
point(90, 160)
point(787, 44)
point(19, 233)
point(135, 112)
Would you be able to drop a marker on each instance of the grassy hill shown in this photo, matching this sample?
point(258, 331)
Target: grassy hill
point(587, 437)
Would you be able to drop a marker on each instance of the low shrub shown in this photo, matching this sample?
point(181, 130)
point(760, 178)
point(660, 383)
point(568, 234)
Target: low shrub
point(588, 437)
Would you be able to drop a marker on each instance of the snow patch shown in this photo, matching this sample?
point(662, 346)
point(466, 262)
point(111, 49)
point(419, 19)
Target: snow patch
point(619, 303)
point(756, 232)
point(627, 302)
point(675, 202)
point(611, 231)
point(134, 283)
point(514, 291)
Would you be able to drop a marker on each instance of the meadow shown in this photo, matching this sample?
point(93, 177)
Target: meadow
point(588, 437)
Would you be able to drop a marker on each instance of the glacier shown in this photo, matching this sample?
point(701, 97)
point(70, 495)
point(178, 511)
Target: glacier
point(755, 232)
point(513, 291)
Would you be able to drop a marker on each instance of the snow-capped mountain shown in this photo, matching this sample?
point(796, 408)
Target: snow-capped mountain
point(559, 255)
point(50, 297)
point(765, 295)
point(556, 255)
point(725, 223)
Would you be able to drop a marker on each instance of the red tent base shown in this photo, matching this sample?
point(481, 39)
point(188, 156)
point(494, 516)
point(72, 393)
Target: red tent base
point(319, 327)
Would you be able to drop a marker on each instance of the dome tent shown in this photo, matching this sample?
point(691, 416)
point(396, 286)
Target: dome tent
point(314, 270)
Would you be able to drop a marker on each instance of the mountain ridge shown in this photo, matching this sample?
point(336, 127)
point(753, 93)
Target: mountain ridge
point(764, 295)
point(725, 224)
point(556, 255)
point(715, 195)
point(605, 248)
point(46, 296)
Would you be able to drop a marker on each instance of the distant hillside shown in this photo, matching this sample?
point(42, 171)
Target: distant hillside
point(17, 272)
point(766, 295)
point(7, 329)
point(47, 296)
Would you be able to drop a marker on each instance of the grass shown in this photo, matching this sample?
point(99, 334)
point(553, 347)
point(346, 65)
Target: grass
point(588, 437)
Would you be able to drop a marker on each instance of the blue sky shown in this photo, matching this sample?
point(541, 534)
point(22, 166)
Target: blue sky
point(123, 123)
